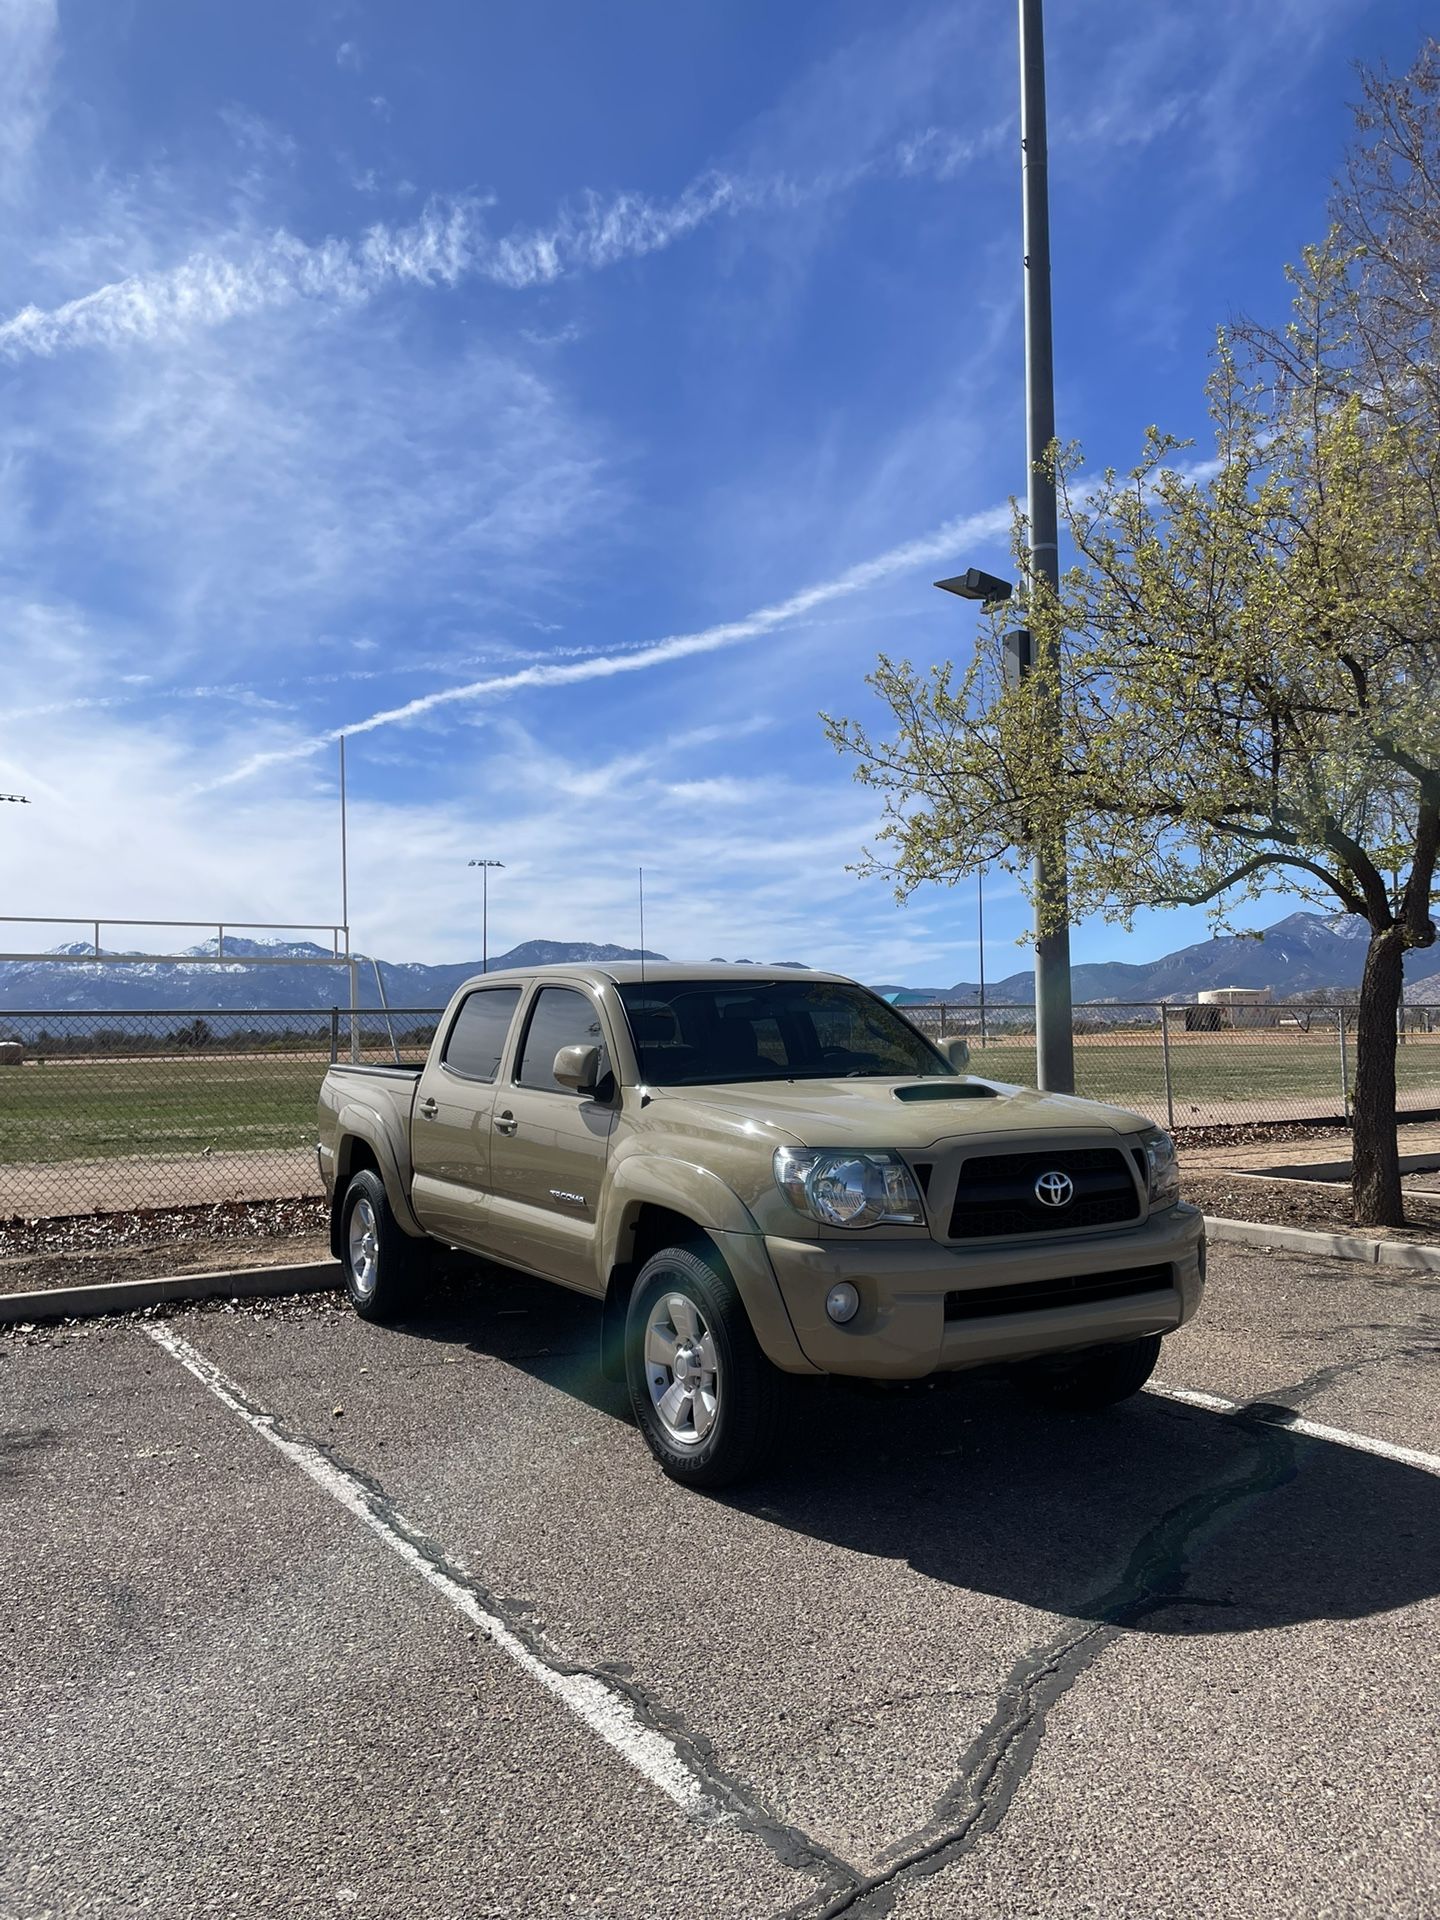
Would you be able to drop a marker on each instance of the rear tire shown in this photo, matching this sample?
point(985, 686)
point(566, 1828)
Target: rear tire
point(1095, 1378)
point(382, 1264)
point(704, 1395)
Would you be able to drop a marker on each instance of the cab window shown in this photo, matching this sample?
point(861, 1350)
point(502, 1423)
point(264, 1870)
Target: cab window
point(560, 1017)
point(477, 1039)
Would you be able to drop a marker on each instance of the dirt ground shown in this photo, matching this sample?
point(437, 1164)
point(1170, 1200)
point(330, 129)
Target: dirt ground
point(86, 1249)
point(1323, 1207)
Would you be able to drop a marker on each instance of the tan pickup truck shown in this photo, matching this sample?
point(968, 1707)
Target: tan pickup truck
point(761, 1172)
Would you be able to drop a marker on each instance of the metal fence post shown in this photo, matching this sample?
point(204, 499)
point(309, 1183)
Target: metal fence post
point(334, 1035)
point(1165, 1055)
point(1344, 1070)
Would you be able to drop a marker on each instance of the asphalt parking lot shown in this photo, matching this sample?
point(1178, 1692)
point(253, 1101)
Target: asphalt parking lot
point(310, 1617)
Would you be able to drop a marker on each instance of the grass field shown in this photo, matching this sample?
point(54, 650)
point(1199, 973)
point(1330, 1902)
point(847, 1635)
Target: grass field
point(95, 1110)
point(105, 1109)
point(1265, 1075)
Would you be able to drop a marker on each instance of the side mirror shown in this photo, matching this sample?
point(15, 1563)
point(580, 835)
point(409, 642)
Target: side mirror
point(956, 1051)
point(578, 1068)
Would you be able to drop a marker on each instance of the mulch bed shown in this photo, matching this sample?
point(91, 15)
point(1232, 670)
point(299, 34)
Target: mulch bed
point(1315, 1207)
point(88, 1249)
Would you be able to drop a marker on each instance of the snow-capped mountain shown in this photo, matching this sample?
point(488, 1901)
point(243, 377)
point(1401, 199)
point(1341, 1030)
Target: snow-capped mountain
point(1305, 952)
point(192, 984)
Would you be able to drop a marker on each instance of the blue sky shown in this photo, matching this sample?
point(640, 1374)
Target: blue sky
point(567, 402)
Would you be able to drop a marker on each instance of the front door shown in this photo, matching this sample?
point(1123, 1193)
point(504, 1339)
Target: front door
point(450, 1131)
point(548, 1146)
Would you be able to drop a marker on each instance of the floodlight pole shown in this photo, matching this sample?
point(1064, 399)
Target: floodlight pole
point(485, 866)
point(980, 917)
point(345, 911)
point(1054, 1036)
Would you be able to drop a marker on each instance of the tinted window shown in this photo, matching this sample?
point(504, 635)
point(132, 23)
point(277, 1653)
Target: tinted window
point(477, 1038)
point(690, 1032)
point(560, 1018)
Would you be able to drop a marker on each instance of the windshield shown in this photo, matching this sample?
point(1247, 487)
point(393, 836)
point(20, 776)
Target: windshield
point(696, 1032)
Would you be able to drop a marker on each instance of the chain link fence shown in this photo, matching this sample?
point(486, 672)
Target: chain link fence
point(109, 1112)
point(1202, 1066)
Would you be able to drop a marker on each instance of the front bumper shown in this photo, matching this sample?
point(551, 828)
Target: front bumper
point(902, 1332)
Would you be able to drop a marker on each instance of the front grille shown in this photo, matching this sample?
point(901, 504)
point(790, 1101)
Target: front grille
point(1034, 1296)
point(996, 1193)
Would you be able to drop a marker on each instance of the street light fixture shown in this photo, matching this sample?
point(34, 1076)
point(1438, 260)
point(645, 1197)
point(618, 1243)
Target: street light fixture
point(485, 866)
point(975, 584)
point(20, 799)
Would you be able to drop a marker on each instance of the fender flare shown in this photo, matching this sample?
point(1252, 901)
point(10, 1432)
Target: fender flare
point(358, 1122)
point(663, 1181)
point(679, 1186)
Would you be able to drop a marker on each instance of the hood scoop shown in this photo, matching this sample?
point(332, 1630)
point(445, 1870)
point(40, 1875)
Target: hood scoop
point(945, 1090)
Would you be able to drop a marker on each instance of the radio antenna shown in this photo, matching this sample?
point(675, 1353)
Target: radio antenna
point(642, 926)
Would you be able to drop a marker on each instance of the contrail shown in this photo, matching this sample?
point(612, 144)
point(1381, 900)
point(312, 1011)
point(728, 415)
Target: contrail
point(940, 544)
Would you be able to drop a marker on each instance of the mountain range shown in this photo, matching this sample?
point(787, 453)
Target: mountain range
point(1305, 952)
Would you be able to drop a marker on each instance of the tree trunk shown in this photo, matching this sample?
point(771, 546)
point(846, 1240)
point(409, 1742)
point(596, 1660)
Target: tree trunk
point(1376, 1185)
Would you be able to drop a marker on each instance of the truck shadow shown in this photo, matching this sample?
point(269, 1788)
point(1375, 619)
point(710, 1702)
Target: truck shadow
point(1156, 1516)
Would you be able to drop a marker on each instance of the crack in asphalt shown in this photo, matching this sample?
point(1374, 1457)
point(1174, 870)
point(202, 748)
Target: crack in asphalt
point(1315, 1382)
point(999, 1760)
point(736, 1805)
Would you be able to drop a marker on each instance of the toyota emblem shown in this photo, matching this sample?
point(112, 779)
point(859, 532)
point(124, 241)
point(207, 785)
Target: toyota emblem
point(1054, 1189)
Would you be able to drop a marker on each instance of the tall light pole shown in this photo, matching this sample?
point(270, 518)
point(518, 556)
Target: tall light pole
point(980, 918)
point(345, 911)
point(485, 866)
point(1054, 1020)
point(1024, 652)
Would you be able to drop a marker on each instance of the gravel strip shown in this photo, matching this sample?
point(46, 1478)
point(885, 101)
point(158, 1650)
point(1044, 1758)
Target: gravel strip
point(85, 1249)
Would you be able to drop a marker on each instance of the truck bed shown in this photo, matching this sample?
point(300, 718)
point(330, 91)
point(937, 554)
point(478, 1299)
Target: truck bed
point(385, 1094)
point(408, 1070)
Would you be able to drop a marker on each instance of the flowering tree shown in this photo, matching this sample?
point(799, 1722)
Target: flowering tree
point(1248, 685)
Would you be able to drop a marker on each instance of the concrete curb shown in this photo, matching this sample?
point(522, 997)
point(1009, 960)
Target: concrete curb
point(1336, 1246)
point(124, 1296)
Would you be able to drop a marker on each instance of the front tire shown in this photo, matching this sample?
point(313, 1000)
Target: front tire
point(380, 1261)
point(704, 1395)
point(1088, 1381)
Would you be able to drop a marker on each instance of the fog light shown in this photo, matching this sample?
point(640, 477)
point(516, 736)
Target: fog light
point(842, 1303)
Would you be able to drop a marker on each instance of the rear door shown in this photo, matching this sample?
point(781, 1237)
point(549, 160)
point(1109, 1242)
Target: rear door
point(450, 1131)
point(548, 1144)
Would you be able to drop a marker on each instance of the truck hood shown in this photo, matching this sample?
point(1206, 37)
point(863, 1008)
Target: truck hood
point(878, 1113)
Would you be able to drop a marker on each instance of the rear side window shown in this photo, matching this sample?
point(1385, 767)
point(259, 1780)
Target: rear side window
point(560, 1018)
point(477, 1038)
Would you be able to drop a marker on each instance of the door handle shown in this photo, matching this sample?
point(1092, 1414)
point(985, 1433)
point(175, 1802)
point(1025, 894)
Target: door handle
point(506, 1122)
point(430, 1106)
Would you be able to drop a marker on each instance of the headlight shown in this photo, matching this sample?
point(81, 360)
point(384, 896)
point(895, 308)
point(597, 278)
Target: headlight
point(1164, 1168)
point(842, 1188)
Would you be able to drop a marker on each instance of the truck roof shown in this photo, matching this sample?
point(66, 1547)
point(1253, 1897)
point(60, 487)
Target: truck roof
point(630, 972)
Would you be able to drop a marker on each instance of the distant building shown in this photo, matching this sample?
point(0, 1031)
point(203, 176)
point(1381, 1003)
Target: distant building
point(1225, 1007)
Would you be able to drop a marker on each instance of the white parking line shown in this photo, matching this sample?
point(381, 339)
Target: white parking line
point(1312, 1429)
point(603, 1709)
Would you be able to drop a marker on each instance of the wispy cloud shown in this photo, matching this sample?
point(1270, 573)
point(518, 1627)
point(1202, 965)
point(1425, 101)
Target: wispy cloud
point(27, 52)
point(681, 646)
point(450, 242)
